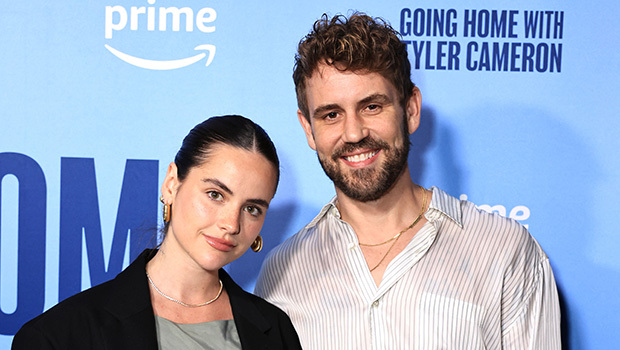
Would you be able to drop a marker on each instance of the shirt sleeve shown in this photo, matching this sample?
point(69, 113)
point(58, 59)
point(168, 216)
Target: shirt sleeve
point(532, 321)
point(264, 282)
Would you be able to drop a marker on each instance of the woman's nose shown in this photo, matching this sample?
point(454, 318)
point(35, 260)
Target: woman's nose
point(229, 221)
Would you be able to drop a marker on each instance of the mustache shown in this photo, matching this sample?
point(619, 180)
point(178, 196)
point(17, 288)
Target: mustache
point(365, 143)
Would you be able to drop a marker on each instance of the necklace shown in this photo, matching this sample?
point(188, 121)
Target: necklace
point(384, 242)
point(395, 238)
point(180, 302)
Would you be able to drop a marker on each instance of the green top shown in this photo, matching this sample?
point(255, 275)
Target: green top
point(220, 334)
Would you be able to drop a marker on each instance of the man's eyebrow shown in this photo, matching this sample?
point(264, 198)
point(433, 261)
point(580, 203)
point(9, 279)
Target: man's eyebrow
point(219, 184)
point(324, 108)
point(379, 98)
point(382, 98)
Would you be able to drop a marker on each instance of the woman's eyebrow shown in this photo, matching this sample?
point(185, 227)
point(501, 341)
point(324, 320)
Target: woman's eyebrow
point(219, 184)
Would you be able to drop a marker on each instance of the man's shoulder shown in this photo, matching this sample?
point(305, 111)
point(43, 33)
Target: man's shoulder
point(289, 262)
point(470, 222)
point(479, 219)
point(494, 229)
point(299, 243)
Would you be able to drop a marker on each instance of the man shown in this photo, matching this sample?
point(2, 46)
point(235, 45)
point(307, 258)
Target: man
point(388, 264)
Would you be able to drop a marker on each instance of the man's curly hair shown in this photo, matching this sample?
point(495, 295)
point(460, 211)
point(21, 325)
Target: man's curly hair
point(357, 43)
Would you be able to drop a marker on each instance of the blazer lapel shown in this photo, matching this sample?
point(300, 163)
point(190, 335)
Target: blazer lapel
point(133, 323)
point(252, 326)
point(130, 304)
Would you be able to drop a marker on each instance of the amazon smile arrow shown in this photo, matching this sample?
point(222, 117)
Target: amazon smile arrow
point(165, 65)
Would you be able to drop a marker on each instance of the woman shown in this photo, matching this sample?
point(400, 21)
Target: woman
point(215, 196)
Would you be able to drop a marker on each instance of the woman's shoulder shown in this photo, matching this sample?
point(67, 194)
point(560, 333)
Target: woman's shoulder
point(85, 302)
point(69, 317)
point(83, 314)
point(97, 299)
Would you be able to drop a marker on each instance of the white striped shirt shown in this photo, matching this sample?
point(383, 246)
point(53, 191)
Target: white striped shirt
point(467, 280)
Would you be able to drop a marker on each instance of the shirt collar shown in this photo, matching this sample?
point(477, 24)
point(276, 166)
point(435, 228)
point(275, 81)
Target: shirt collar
point(330, 207)
point(442, 204)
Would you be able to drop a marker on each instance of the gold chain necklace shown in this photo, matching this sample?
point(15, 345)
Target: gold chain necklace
point(395, 238)
point(180, 302)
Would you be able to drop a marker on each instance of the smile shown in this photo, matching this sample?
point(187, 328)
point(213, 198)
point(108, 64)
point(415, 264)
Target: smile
point(360, 157)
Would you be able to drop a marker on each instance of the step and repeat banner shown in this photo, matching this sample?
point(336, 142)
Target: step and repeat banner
point(520, 116)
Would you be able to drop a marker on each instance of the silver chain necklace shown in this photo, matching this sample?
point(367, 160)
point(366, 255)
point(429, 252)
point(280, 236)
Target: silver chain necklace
point(182, 303)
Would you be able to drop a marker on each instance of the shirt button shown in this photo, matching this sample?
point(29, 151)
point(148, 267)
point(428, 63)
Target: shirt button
point(351, 246)
point(375, 303)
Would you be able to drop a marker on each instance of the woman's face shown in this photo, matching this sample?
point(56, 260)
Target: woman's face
point(219, 208)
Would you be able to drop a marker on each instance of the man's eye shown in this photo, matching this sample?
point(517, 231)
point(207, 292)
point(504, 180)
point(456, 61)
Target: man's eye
point(373, 107)
point(331, 115)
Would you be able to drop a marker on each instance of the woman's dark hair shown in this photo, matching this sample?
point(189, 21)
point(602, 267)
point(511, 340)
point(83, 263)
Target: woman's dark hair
point(232, 130)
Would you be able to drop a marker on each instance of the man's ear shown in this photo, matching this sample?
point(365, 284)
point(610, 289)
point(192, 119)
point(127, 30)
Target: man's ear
point(170, 185)
point(307, 129)
point(412, 108)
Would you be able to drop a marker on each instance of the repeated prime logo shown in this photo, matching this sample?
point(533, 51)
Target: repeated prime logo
point(162, 19)
point(519, 213)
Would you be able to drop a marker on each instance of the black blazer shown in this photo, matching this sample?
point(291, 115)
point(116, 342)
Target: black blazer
point(118, 315)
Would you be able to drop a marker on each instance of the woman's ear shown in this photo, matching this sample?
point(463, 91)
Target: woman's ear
point(170, 185)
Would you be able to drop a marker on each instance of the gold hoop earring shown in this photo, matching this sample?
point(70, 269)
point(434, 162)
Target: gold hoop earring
point(257, 245)
point(165, 210)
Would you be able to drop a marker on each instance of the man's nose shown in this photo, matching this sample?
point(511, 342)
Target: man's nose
point(354, 128)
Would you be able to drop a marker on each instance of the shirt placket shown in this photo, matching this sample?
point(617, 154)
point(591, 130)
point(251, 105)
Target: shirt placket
point(374, 296)
point(377, 325)
point(365, 286)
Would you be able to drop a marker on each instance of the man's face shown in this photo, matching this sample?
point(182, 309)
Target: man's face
point(359, 130)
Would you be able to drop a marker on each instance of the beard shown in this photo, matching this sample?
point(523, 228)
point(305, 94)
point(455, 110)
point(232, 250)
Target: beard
point(367, 184)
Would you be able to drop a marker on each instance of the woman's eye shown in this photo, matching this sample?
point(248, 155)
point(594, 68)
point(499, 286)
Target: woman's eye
point(252, 210)
point(215, 195)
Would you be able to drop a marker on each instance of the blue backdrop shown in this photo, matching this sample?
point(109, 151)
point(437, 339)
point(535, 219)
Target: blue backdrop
point(519, 116)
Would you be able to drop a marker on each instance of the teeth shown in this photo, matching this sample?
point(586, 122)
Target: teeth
point(360, 157)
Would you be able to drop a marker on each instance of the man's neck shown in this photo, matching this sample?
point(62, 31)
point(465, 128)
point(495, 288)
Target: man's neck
point(385, 216)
